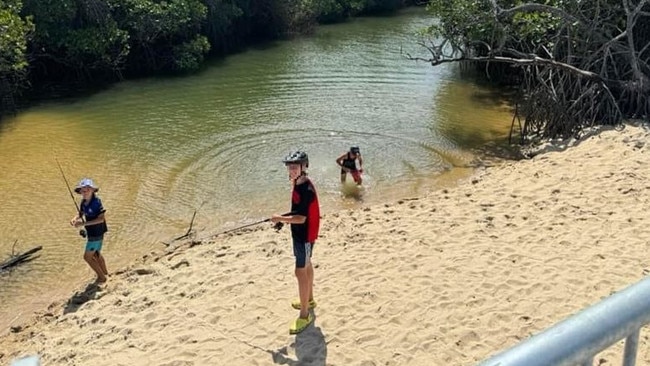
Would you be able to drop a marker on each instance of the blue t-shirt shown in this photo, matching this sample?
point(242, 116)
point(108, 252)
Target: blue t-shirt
point(91, 210)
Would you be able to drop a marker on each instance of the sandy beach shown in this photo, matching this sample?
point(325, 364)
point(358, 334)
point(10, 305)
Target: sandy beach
point(446, 279)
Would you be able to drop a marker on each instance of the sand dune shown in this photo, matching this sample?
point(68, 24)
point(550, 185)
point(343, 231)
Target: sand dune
point(446, 279)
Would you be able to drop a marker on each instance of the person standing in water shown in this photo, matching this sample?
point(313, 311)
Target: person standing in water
point(348, 164)
point(305, 221)
point(91, 217)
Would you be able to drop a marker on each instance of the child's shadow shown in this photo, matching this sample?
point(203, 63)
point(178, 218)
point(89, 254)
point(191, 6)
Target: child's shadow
point(80, 298)
point(311, 349)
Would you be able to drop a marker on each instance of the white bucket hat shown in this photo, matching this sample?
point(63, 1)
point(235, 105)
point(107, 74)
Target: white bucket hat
point(86, 182)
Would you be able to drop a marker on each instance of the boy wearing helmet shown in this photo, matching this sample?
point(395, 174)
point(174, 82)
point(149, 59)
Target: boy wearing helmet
point(305, 221)
point(91, 216)
point(348, 164)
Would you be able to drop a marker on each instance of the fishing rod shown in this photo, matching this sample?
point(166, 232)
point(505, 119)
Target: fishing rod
point(82, 232)
point(243, 227)
point(277, 226)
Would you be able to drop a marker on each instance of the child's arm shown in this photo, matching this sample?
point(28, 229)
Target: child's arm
point(360, 164)
point(291, 219)
point(99, 219)
point(339, 161)
point(75, 220)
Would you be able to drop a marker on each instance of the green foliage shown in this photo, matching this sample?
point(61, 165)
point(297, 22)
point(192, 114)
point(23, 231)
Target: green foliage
point(221, 17)
point(384, 5)
point(80, 40)
point(471, 21)
point(461, 20)
point(13, 37)
point(14, 34)
point(337, 10)
point(97, 47)
point(146, 36)
point(293, 16)
point(189, 55)
point(161, 31)
point(328, 10)
point(84, 38)
point(149, 21)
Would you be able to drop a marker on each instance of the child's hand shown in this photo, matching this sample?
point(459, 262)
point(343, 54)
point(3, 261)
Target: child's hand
point(361, 170)
point(77, 223)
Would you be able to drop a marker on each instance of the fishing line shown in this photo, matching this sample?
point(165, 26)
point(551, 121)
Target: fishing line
point(82, 232)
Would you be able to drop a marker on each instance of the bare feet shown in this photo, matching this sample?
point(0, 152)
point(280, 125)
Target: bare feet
point(100, 280)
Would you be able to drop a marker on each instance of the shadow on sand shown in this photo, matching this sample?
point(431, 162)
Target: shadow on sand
point(81, 297)
point(310, 349)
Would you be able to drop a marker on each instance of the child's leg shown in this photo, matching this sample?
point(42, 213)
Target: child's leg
point(310, 280)
point(309, 249)
point(93, 246)
point(343, 175)
point(303, 291)
point(102, 262)
point(91, 259)
point(302, 251)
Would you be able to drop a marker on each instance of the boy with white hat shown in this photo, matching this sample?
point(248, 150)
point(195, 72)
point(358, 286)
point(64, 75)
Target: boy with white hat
point(91, 216)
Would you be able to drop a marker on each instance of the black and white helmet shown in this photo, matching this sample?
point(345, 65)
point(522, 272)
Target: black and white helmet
point(297, 157)
point(355, 150)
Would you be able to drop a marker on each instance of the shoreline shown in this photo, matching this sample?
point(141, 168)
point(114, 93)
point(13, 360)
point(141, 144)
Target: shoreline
point(448, 278)
point(349, 200)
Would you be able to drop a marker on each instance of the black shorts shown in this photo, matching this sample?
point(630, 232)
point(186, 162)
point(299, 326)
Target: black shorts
point(302, 252)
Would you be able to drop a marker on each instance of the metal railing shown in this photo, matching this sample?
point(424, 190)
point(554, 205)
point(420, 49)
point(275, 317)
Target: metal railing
point(577, 339)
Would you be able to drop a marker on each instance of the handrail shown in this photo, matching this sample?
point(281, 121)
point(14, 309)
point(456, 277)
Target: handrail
point(577, 339)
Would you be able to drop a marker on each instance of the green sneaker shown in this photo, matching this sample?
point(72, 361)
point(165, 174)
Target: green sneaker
point(300, 324)
point(296, 304)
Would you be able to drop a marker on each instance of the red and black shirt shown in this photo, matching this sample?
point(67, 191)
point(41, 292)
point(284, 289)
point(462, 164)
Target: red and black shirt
point(304, 202)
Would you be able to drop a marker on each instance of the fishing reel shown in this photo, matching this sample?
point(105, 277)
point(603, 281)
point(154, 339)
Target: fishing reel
point(278, 226)
point(82, 233)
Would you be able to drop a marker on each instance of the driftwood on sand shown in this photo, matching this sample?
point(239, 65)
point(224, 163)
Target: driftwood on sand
point(186, 235)
point(189, 231)
point(19, 258)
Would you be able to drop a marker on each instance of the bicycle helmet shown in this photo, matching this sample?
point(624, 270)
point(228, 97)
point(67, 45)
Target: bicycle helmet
point(355, 150)
point(297, 157)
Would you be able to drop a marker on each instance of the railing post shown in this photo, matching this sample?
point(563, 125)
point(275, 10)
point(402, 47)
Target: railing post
point(631, 346)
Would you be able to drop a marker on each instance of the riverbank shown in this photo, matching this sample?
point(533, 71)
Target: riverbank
point(167, 147)
point(446, 279)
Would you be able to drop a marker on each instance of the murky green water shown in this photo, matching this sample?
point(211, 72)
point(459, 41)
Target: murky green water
point(161, 148)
